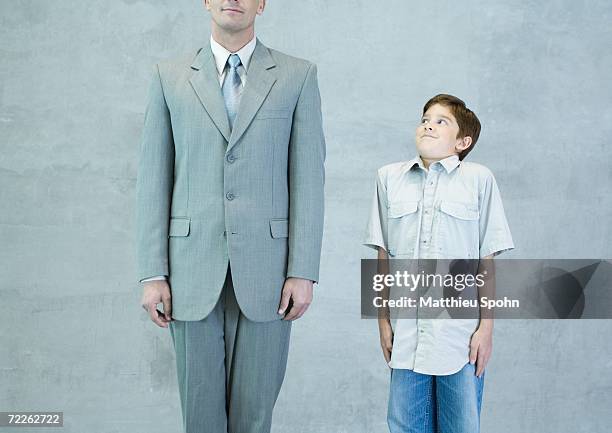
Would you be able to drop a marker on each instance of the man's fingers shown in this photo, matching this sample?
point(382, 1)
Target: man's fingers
point(297, 310)
point(151, 309)
point(286, 296)
point(157, 292)
point(302, 310)
point(156, 316)
point(306, 307)
point(167, 300)
point(293, 313)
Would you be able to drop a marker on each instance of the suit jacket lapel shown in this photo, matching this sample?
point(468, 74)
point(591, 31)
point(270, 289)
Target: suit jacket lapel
point(259, 82)
point(205, 82)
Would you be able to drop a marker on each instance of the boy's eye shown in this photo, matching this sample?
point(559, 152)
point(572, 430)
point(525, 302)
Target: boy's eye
point(423, 120)
point(441, 121)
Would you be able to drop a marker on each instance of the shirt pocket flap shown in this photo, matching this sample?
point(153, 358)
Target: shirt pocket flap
point(179, 227)
point(401, 208)
point(459, 210)
point(279, 228)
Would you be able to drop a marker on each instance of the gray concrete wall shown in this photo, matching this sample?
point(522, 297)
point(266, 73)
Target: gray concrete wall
point(74, 77)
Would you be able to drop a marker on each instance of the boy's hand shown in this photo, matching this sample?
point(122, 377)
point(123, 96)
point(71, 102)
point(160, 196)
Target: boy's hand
point(386, 338)
point(481, 346)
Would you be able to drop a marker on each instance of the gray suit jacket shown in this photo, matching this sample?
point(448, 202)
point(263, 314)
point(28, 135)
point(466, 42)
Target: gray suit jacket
point(253, 197)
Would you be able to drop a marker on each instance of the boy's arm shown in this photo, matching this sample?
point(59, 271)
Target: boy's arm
point(376, 237)
point(495, 238)
point(376, 229)
point(486, 267)
point(384, 324)
point(481, 343)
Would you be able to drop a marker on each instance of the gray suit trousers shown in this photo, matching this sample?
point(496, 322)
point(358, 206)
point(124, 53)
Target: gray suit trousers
point(230, 369)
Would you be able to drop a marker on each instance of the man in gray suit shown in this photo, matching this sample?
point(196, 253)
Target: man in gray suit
point(230, 216)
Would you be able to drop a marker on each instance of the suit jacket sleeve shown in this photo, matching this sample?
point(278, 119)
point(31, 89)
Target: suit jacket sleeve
point(154, 184)
point(306, 182)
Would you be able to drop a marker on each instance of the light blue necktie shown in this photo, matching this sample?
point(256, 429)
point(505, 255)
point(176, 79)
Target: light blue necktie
point(231, 88)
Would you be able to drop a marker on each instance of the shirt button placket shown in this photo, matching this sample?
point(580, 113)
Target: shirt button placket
point(428, 198)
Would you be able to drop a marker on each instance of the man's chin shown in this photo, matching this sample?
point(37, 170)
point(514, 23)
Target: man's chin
point(232, 26)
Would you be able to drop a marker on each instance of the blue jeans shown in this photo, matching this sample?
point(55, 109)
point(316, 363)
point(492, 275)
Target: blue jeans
point(421, 403)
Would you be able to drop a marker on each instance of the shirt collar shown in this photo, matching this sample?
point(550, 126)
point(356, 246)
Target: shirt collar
point(221, 54)
point(449, 163)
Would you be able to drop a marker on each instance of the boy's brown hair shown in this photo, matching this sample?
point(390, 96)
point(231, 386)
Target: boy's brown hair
point(469, 125)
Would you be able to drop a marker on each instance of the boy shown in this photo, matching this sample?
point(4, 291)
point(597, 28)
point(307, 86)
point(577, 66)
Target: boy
point(436, 206)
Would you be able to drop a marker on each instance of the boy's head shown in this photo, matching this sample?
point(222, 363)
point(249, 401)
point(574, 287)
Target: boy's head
point(447, 128)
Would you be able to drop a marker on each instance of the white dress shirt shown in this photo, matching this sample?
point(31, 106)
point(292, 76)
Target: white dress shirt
point(221, 54)
point(451, 210)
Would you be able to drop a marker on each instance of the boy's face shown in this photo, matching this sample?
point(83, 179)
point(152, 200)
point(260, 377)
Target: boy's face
point(436, 135)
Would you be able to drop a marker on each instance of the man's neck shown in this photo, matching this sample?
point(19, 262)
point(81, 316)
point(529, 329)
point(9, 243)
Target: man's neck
point(232, 42)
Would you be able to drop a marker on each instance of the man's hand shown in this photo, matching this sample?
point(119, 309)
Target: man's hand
point(481, 345)
point(158, 292)
point(299, 291)
point(386, 338)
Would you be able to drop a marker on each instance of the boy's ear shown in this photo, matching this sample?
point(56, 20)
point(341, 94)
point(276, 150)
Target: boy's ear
point(464, 143)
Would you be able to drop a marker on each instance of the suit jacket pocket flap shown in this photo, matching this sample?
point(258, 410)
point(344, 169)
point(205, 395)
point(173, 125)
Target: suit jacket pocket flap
point(401, 208)
point(179, 227)
point(460, 210)
point(279, 228)
point(267, 113)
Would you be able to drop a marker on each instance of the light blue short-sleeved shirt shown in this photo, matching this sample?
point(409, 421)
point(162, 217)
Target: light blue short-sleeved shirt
point(453, 210)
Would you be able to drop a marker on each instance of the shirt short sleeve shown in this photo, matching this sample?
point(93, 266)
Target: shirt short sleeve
point(495, 236)
point(376, 228)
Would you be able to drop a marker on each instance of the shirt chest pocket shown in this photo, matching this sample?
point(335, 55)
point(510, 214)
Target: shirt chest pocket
point(457, 230)
point(403, 227)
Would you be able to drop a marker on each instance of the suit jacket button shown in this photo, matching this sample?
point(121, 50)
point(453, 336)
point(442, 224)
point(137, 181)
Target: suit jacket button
point(230, 158)
point(229, 196)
